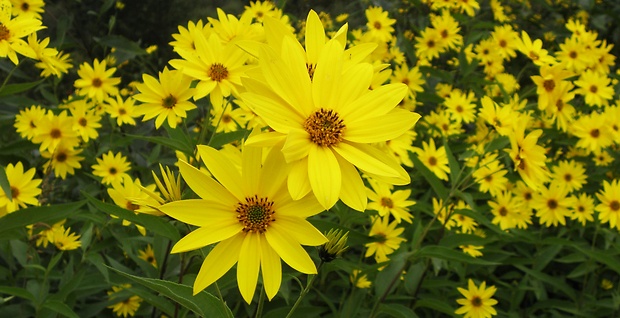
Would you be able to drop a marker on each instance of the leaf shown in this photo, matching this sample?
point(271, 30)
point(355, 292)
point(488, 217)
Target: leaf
point(431, 178)
point(121, 43)
point(559, 284)
point(153, 223)
point(203, 303)
point(17, 291)
point(46, 214)
point(448, 254)
point(397, 310)
point(607, 258)
point(18, 88)
point(221, 139)
point(455, 168)
point(182, 138)
point(436, 305)
point(165, 141)
point(60, 308)
point(388, 278)
point(4, 183)
point(455, 240)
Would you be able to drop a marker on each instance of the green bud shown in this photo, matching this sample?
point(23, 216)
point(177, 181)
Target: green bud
point(335, 246)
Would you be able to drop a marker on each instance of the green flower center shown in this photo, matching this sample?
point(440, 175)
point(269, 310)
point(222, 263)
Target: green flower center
point(169, 102)
point(324, 127)
point(217, 72)
point(255, 214)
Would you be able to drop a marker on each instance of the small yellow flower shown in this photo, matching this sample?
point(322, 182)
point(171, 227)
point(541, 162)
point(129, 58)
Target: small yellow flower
point(477, 302)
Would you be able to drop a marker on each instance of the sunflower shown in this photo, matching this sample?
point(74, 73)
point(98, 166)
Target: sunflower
point(569, 174)
point(167, 98)
point(125, 307)
point(85, 121)
point(252, 216)
point(24, 188)
point(123, 110)
point(529, 158)
point(534, 50)
point(111, 167)
point(477, 302)
point(386, 201)
point(379, 24)
point(64, 239)
point(595, 88)
point(551, 205)
point(96, 81)
point(582, 208)
point(435, 159)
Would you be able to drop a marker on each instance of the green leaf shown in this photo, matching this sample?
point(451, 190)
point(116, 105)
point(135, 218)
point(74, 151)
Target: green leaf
point(121, 43)
point(157, 225)
point(4, 183)
point(448, 254)
point(203, 303)
point(431, 178)
point(18, 88)
point(17, 291)
point(182, 138)
point(455, 240)
point(60, 308)
point(221, 139)
point(45, 214)
point(436, 305)
point(608, 258)
point(455, 168)
point(388, 278)
point(559, 284)
point(397, 310)
point(165, 141)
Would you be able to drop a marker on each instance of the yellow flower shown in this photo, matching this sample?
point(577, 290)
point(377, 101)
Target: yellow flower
point(111, 167)
point(126, 307)
point(593, 132)
point(24, 188)
point(13, 30)
point(96, 81)
point(53, 129)
point(27, 119)
point(596, 88)
point(28, 8)
point(252, 216)
point(128, 194)
point(435, 159)
point(85, 121)
point(477, 302)
point(534, 50)
point(582, 207)
point(148, 255)
point(359, 280)
point(63, 160)
point(551, 205)
point(379, 24)
point(387, 238)
point(327, 118)
point(609, 208)
point(167, 98)
point(64, 239)
point(569, 174)
point(472, 250)
point(386, 201)
point(123, 110)
point(528, 157)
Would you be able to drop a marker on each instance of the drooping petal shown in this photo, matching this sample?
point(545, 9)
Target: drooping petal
point(248, 266)
point(207, 235)
point(353, 194)
point(381, 128)
point(297, 145)
point(223, 256)
point(204, 186)
point(290, 251)
point(300, 230)
point(324, 175)
point(298, 184)
point(271, 268)
point(222, 170)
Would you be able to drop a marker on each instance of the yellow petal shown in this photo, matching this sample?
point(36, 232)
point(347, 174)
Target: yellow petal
point(204, 186)
point(266, 139)
point(356, 81)
point(290, 251)
point(299, 81)
point(248, 266)
point(275, 31)
point(198, 212)
point(251, 158)
point(223, 256)
point(353, 193)
point(274, 173)
point(297, 145)
point(326, 85)
point(381, 128)
point(279, 116)
point(324, 176)
point(302, 208)
point(315, 36)
point(207, 235)
point(271, 268)
point(298, 184)
point(365, 157)
point(374, 103)
point(222, 170)
point(300, 230)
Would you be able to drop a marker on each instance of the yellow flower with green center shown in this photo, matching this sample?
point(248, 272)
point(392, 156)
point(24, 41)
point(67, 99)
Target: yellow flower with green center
point(328, 120)
point(477, 302)
point(24, 188)
point(252, 216)
point(96, 81)
point(167, 98)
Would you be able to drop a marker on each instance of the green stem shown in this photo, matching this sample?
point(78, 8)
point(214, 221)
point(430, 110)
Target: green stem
point(304, 292)
point(261, 301)
point(6, 80)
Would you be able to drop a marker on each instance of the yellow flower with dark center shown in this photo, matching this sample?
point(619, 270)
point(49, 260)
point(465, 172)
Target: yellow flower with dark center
point(379, 24)
point(551, 205)
point(148, 255)
point(386, 202)
point(593, 131)
point(609, 208)
point(128, 194)
point(386, 238)
point(184, 40)
point(13, 30)
point(167, 98)
point(64, 239)
point(24, 188)
point(125, 307)
point(582, 207)
point(111, 167)
point(28, 8)
point(51, 130)
point(477, 302)
point(252, 216)
point(533, 50)
point(505, 210)
point(569, 174)
point(64, 160)
point(528, 157)
point(123, 110)
point(85, 121)
point(96, 81)
point(435, 159)
point(27, 119)
point(596, 88)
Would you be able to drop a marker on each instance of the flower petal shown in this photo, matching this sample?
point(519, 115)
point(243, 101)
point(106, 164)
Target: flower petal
point(223, 256)
point(300, 230)
point(365, 157)
point(271, 268)
point(273, 174)
point(324, 175)
point(204, 186)
point(248, 266)
point(207, 235)
point(374, 103)
point(198, 212)
point(251, 158)
point(297, 145)
point(302, 208)
point(354, 193)
point(222, 170)
point(290, 251)
point(327, 75)
point(298, 184)
point(381, 128)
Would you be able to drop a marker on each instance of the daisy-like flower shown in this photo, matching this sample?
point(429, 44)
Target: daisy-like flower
point(529, 158)
point(505, 209)
point(359, 280)
point(24, 188)
point(609, 208)
point(534, 50)
point(252, 216)
point(593, 132)
point(472, 250)
point(551, 205)
point(85, 121)
point(123, 110)
point(96, 81)
point(111, 167)
point(477, 302)
point(167, 98)
point(548, 84)
point(128, 194)
point(448, 29)
point(379, 24)
point(53, 129)
point(461, 106)
point(27, 119)
point(64, 160)
point(148, 255)
point(502, 118)
point(13, 30)
point(328, 119)
point(428, 44)
point(28, 8)
point(582, 207)
point(216, 66)
point(125, 307)
point(569, 174)
point(596, 88)
point(387, 238)
point(435, 159)
point(184, 40)
point(385, 201)
point(65, 240)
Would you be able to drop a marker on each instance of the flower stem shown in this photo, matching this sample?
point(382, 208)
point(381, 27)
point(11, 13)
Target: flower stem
point(304, 292)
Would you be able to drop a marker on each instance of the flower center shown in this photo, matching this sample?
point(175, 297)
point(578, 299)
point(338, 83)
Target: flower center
point(534, 56)
point(112, 171)
point(25, 7)
point(387, 202)
point(503, 211)
point(552, 204)
point(14, 192)
point(4, 33)
point(502, 43)
point(55, 133)
point(169, 102)
point(122, 111)
point(131, 207)
point(614, 205)
point(595, 133)
point(217, 72)
point(324, 127)
point(430, 43)
point(476, 301)
point(61, 157)
point(97, 82)
point(255, 214)
point(311, 67)
point(572, 54)
point(549, 85)
point(568, 177)
point(432, 161)
point(377, 25)
point(444, 33)
point(226, 119)
point(83, 122)
point(593, 89)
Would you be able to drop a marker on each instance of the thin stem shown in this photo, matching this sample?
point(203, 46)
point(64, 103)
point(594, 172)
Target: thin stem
point(304, 292)
point(6, 80)
point(261, 301)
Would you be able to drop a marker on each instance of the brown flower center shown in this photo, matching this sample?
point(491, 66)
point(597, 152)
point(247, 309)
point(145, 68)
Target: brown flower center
point(83, 122)
point(593, 89)
point(25, 6)
point(122, 111)
point(255, 214)
point(61, 157)
point(444, 33)
point(503, 211)
point(595, 133)
point(5, 34)
point(131, 207)
point(568, 177)
point(14, 192)
point(502, 43)
point(169, 102)
point(432, 161)
point(217, 72)
point(112, 171)
point(97, 82)
point(387, 202)
point(614, 205)
point(377, 25)
point(572, 54)
point(430, 43)
point(324, 127)
point(55, 133)
point(552, 204)
point(549, 85)
point(476, 301)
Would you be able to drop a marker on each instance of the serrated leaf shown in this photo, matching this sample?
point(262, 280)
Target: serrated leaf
point(203, 303)
point(32, 215)
point(153, 223)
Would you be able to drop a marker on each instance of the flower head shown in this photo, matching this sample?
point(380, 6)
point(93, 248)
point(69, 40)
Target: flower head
point(477, 302)
point(96, 81)
point(24, 188)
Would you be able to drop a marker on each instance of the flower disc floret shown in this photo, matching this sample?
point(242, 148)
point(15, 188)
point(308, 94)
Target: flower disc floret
point(324, 127)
